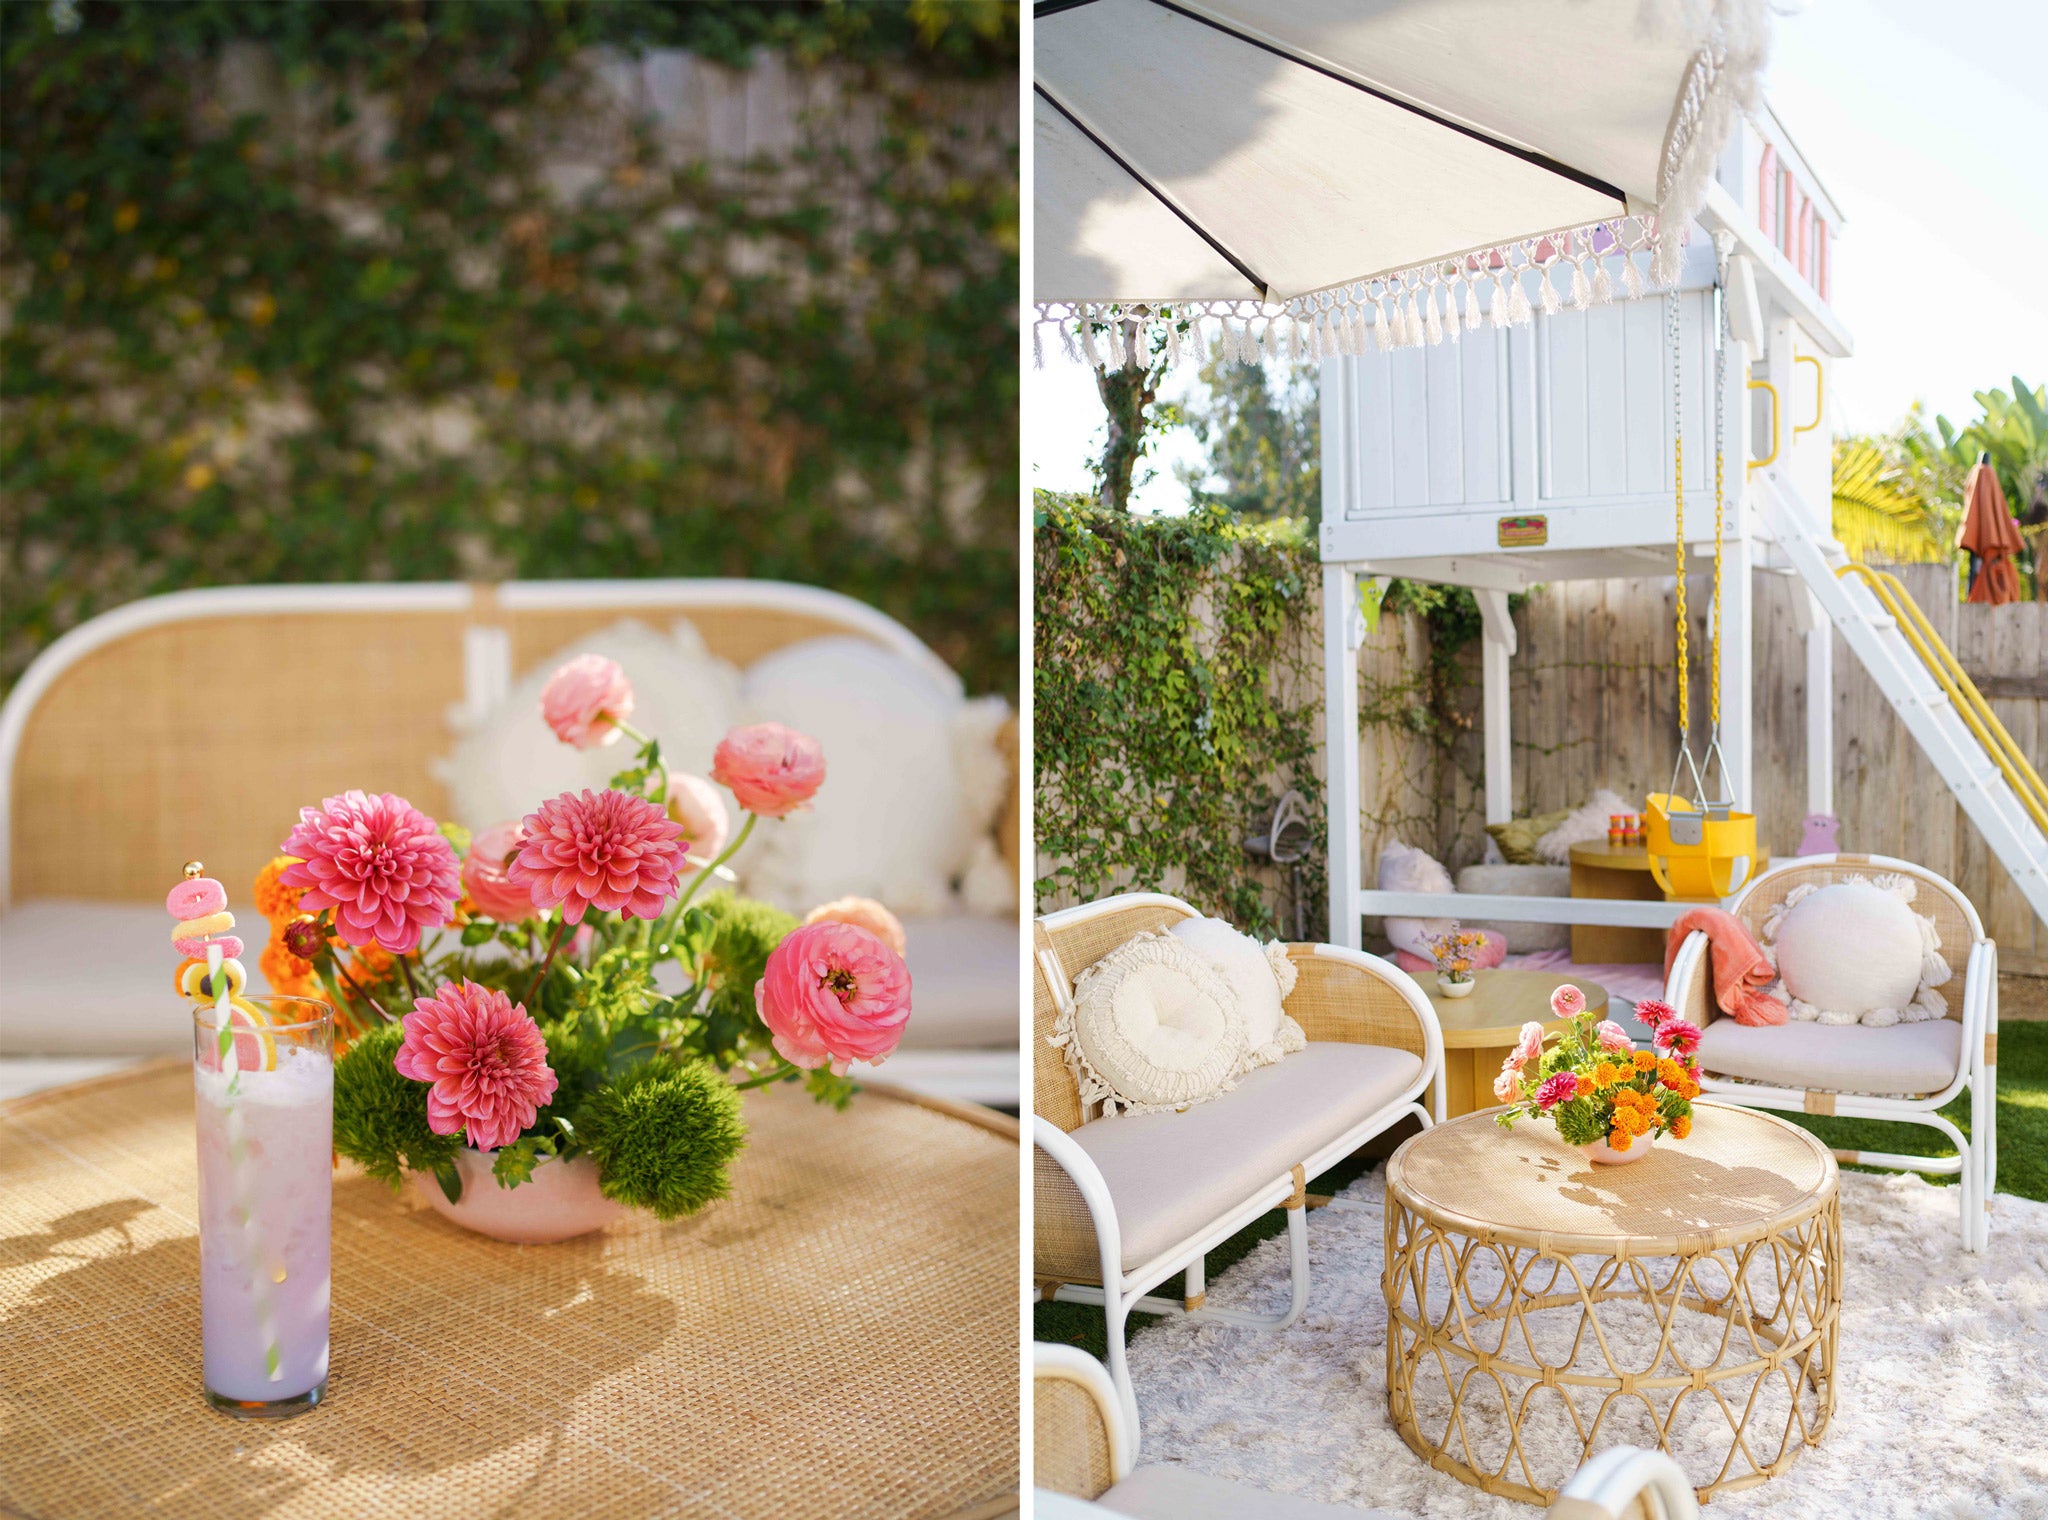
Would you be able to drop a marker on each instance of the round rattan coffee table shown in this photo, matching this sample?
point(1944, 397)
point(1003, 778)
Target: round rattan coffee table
point(1534, 1300)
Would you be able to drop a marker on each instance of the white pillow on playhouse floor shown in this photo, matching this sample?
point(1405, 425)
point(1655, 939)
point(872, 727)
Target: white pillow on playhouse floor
point(1855, 952)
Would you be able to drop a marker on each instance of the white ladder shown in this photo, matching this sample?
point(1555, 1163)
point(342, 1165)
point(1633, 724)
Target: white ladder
point(1980, 783)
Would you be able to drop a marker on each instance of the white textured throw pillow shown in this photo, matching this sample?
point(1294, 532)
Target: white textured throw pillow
point(1406, 870)
point(1260, 975)
point(1583, 825)
point(1151, 1026)
point(1856, 953)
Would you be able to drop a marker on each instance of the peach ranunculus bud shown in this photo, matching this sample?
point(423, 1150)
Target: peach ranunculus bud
point(833, 993)
point(695, 804)
point(484, 877)
point(585, 701)
point(862, 913)
point(1530, 1045)
point(1567, 1002)
point(1612, 1037)
point(771, 769)
point(1508, 1085)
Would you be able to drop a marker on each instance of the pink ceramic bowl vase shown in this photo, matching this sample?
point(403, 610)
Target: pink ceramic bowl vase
point(1600, 1153)
point(559, 1201)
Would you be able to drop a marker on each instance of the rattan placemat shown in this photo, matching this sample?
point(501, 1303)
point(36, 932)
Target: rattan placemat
point(1739, 1175)
point(837, 1339)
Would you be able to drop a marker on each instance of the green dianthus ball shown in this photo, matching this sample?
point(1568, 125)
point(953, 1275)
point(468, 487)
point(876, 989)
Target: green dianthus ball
point(380, 1117)
point(664, 1135)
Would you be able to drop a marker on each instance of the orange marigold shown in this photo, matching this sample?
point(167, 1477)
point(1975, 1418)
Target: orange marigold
point(287, 974)
point(1619, 1140)
point(1681, 1126)
point(274, 900)
point(1633, 1120)
point(372, 961)
point(1646, 1060)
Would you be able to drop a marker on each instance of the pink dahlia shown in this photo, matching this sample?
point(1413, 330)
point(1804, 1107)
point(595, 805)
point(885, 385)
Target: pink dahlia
point(485, 1058)
point(601, 850)
point(1567, 1002)
point(772, 770)
point(585, 701)
point(1676, 1037)
point(485, 878)
point(834, 992)
point(695, 804)
point(1561, 1088)
point(1655, 1011)
point(379, 863)
point(1611, 1037)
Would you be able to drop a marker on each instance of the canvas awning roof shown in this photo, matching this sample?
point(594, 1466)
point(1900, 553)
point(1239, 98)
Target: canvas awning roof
point(1306, 155)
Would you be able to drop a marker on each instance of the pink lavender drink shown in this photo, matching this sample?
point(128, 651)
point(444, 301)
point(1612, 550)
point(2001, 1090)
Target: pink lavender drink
point(266, 1136)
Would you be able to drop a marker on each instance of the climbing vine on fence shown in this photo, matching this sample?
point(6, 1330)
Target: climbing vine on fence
point(1177, 680)
point(380, 290)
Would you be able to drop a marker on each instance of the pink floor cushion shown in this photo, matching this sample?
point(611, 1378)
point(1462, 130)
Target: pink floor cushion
point(1488, 956)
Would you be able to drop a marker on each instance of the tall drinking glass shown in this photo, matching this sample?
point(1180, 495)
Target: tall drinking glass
point(266, 1140)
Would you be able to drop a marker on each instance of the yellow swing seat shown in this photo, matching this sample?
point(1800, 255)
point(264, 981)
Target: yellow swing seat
point(1721, 861)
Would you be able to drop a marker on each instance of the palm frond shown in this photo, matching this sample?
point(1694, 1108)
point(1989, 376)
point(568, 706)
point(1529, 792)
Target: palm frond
point(1874, 518)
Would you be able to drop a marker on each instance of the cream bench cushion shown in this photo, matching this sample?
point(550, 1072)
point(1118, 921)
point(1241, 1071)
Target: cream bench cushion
point(1159, 1492)
point(1171, 1174)
point(1902, 1060)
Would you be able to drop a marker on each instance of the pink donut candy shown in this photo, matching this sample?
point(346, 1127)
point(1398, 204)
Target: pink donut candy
point(196, 897)
point(231, 946)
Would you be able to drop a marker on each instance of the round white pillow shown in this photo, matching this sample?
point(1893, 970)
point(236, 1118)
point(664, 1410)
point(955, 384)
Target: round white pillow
point(1151, 1026)
point(1856, 953)
point(1260, 975)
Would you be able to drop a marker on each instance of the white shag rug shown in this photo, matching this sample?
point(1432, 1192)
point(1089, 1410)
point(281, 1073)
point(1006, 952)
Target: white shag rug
point(1941, 1411)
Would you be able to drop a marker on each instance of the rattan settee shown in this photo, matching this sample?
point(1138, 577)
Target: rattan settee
point(1903, 1073)
point(1123, 1203)
point(196, 724)
point(1083, 1464)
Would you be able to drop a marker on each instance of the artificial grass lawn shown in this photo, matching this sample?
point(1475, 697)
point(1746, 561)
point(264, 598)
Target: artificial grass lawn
point(2022, 1170)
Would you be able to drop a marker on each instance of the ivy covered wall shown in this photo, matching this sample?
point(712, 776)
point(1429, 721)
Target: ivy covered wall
point(375, 291)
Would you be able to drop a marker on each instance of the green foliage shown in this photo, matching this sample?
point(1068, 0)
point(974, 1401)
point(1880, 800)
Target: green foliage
point(743, 933)
point(1159, 744)
point(1877, 517)
point(1264, 440)
point(292, 299)
point(380, 1117)
point(663, 1136)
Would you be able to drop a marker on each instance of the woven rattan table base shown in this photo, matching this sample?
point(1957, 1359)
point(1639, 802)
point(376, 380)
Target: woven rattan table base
point(837, 1339)
point(1513, 1356)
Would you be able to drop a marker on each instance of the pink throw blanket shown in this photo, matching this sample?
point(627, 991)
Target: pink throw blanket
point(1737, 970)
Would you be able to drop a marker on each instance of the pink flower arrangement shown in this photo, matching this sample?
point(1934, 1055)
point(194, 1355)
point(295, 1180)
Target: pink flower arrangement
point(1655, 1011)
point(862, 913)
point(833, 993)
point(695, 804)
point(1676, 1037)
point(379, 863)
point(608, 850)
point(1561, 1088)
point(1612, 1037)
point(585, 701)
point(772, 770)
point(485, 1060)
point(1567, 1002)
point(485, 877)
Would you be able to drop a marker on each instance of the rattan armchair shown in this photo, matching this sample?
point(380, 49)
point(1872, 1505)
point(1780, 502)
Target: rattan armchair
point(1110, 1227)
point(1082, 1465)
point(1903, 1073)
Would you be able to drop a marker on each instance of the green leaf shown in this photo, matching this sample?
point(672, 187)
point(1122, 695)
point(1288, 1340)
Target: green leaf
point(450, 1180)
point(515, 1163)
point(478, 931)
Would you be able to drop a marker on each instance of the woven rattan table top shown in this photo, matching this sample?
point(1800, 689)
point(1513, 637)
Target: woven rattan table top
point(1739, 1176)
point(839, 1338)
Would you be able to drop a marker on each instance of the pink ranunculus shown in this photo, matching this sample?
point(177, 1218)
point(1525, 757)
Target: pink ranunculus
point(772, 770)
point(600, 850)
point(1676, 1037)
point(1610, 1036)
point(1561, 1088)
point(486, 1059)
point(379, 863)
point(1530, 1044)
point(1655, 1011)
point(694, 803)
point(1567, 1002)
point(833, 992)
point(585, 701)
point(486, 880)
point(1508, 1085)
point(863, 913)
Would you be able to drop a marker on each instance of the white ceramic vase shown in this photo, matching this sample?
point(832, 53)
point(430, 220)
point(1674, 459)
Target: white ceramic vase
point(1600, 1153)
point(559, 1201)
point(1451, 989)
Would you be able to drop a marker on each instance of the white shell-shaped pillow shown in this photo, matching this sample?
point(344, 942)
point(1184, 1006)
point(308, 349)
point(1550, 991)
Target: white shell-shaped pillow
point(1855, 952)
point(1403, 869)
point(1151, 1026)
point(1260, 975)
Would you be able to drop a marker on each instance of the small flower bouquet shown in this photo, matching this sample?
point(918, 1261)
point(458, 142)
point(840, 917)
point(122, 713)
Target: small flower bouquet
point(1601, 1092)
point(1452, 952)
point(501, 992)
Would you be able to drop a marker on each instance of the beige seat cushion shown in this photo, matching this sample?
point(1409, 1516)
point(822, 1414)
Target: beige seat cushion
point(1176, 1493)
point(1903, 1060)
point(1170, 1174)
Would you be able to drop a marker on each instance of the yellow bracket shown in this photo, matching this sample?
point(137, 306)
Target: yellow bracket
point(1962, 691)
point(1820, 390)
point(1777, 411)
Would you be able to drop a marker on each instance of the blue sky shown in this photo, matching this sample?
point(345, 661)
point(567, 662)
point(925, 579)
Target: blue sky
point(1929, 126)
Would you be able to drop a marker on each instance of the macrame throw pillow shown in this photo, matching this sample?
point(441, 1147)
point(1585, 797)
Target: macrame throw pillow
point(1151, 1026)
point(1856, 953)
point(1260, 975)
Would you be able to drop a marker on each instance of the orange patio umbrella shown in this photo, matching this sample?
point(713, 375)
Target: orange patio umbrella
point(1990, 533)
